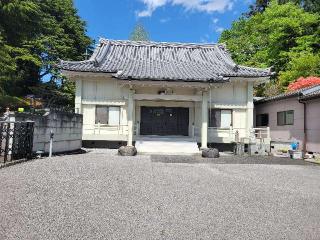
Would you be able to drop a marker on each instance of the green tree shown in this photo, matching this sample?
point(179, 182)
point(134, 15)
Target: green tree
point(7, 63)
point(260, 5)
point(302, 64)
point(139, 33)
point(280, 37)
point(34, 35)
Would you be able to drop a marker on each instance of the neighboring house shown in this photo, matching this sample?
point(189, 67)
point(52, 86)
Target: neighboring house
point(292, 116)
point(128, 90)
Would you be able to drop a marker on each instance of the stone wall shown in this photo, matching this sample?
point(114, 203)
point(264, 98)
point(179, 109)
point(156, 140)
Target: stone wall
point(67, 129)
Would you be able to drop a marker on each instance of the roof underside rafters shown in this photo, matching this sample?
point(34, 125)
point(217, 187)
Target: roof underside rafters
point(130, 60)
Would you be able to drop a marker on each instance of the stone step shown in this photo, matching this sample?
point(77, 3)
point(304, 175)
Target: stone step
point(167, 146)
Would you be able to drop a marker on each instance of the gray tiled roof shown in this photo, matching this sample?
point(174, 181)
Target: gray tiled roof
point(303, 94)
point(163, 61)
point(314, 93)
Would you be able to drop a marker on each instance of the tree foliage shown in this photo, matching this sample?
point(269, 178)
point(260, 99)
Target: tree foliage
point(34, 35)
point(260, 5)
point(283, 36)
point(139, 33)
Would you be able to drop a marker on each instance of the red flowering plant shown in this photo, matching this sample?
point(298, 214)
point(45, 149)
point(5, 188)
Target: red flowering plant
point(303, 83)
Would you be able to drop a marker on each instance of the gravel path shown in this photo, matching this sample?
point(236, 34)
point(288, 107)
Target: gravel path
point(102, 196)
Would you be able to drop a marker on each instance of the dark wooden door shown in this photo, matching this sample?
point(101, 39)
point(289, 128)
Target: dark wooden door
point(164, 121)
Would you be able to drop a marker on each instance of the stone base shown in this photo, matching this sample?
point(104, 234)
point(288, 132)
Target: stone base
point(167, 146)
point(127, 151)
point(210, 153)
point(258, 149)
point(239, 149)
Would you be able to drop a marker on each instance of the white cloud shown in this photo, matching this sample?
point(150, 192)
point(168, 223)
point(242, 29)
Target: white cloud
point(164, 20)
point(151, 5)
point(215, 20)
point(208, 6)
point(215, 27)
point(219, 29)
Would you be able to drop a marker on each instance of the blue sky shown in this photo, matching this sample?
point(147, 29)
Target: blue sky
point(166, 20)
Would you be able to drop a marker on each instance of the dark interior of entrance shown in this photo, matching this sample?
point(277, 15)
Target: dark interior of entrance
point(164, 121)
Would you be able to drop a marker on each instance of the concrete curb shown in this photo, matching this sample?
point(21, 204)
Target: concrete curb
point(11, 163)
point(313, 161)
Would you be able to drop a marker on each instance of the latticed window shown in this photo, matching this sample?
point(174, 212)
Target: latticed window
point(108, 115)
point(220, 118)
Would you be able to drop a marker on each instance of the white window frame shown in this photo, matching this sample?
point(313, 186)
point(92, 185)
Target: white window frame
point(108, 107)
point(221, 119)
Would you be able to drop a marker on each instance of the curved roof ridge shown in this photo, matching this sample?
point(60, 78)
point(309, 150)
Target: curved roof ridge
point(221, 50)
point(101, 53)
point(75, 62)
point(159, 44)
point(267, 70)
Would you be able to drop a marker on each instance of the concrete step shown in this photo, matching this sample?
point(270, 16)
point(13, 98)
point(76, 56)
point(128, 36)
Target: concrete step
point(167, 146)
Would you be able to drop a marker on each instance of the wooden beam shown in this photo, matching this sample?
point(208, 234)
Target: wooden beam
point(193, 98)
point(167, 84)
point(104, 102)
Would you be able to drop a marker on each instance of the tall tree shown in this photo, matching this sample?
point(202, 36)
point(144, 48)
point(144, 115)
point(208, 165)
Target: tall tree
point(282, 36)
point(260, 5)
point(139, 33)
point(34, 35)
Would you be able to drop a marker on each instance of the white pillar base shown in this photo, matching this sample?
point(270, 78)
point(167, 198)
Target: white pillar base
point(204, 125)
point(130, 118)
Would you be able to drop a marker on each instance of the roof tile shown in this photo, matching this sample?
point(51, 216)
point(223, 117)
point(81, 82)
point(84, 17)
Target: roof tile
point(163, 61)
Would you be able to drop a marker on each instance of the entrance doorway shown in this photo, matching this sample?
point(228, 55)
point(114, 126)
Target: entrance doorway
point(164, 121)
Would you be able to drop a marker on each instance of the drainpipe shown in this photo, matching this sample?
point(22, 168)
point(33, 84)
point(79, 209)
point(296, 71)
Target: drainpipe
point(304, 147)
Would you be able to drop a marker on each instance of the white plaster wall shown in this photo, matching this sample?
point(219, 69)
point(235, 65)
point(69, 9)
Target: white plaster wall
point(108, 91)
point(230, 94)
point(88, 118)
point(240, 121)
point(101, 89)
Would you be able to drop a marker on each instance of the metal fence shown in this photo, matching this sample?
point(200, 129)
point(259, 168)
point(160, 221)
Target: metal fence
point(16, 140)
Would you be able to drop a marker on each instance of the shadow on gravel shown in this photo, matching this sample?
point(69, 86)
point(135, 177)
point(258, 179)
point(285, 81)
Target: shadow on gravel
point(228, 160)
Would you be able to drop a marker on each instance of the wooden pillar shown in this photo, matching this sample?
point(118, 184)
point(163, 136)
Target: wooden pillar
point(130, 117)
point(249, 124)
point(204, 121)
point(78, 97)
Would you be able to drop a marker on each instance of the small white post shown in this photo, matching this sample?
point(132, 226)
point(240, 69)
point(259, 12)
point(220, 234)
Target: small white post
point(137, 129)
point(231, 136)
point(192, 131)
point(268, 132)
point(51, 143)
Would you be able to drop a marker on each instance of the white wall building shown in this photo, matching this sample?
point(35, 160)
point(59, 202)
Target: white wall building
point(128, 90)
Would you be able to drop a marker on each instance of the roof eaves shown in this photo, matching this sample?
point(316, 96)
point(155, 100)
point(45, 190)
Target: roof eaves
point(211, 80)
point(296, 93)
point(278, 97)
point(311, 96)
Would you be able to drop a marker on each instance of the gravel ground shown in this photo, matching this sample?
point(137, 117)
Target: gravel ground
point(229, 160)
point(102, 196)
